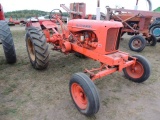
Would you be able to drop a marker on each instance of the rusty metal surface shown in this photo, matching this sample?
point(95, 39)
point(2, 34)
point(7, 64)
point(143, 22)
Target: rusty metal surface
point(134, 12)
point(140, 19)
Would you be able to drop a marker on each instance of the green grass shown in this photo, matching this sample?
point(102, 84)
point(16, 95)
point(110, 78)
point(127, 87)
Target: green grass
point(9, 89)
point(7, 111)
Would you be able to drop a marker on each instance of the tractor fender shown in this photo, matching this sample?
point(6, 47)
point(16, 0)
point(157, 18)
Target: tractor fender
point(33, 24)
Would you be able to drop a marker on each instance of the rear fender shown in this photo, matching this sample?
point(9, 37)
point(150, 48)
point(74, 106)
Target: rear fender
point(49, 25)
point(33, 24)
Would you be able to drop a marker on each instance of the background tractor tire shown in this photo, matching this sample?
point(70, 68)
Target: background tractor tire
point(37, 48)
point(7, 42)
point(140, 72)
point(155, 28)
point(84, 94)
point(137, 43)
point(152, 41)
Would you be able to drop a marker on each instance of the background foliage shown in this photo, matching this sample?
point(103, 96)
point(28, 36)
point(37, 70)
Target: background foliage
point(28, 13)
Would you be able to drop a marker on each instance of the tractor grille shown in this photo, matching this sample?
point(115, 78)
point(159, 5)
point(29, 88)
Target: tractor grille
point(111, 41)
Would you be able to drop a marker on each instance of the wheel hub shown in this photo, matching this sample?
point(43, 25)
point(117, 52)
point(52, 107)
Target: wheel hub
point(135, 71)
point(31, 49)
point(79, 96)
point(136, 43)
point(156, 32)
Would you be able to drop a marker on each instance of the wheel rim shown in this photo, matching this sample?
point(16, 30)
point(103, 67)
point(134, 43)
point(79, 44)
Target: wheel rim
point(136, 43)
point(135, 71)
point(79, 96)
point(31, 49)
point(156, 32)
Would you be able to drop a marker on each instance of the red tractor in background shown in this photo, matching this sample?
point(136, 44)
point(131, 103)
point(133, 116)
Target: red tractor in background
point(136, 23)
point(13, 22)
point(6, 39)
point(98, 40)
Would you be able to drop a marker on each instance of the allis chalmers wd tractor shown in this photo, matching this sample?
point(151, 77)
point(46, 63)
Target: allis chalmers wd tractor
point(98, 40)
point(6, 39)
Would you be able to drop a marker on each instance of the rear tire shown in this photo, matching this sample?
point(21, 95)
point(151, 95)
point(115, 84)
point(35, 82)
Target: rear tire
point(140, 72)
point(84, 94)
point(155, 28)
point(137, 43)
point(7, 42)
point(37, 48)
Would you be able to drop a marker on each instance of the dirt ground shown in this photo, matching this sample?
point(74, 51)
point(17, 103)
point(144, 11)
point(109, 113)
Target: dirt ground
point(29, 94)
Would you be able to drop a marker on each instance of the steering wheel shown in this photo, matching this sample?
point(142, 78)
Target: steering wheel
point(54, 14)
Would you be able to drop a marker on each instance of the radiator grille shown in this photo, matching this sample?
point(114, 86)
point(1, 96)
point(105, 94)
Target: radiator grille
point(111, 40)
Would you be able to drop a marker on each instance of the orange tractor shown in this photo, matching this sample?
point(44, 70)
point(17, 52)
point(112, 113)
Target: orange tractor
point(6, 39)
point(98, 40)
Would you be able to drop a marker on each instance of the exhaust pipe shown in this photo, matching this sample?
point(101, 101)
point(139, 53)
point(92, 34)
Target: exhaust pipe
point(149, 3)
point(136, 7)
point(98, 10)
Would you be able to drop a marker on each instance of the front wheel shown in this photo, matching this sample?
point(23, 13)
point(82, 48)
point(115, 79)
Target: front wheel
point(84, 94)
point(137, 43)
point(139, 72)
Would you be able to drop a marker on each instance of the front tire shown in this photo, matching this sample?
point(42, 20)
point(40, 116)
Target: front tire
point(139, 72)
point(84, 94)
point(37, 48)
point(7, 42)
point(137, 43)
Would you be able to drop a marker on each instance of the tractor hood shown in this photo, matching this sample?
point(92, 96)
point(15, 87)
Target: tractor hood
point(85, 24)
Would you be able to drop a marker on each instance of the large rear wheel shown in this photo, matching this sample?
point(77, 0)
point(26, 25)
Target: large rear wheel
point(139, 72)
point(84, 94)
point(37, 48)
point(7, 42)
point(155, 28)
